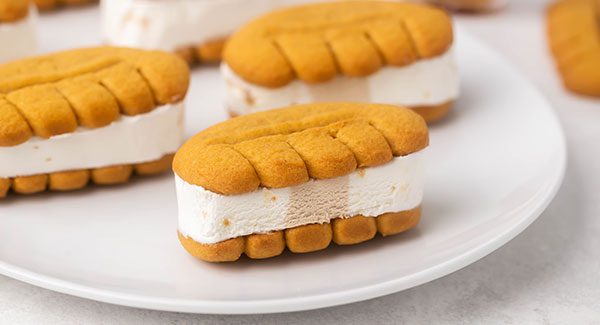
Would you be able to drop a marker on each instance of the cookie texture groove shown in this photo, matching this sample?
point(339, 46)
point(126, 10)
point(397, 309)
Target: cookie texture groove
point(573, 28)
point(55, 94)
point(289, 146)
point(316, 42)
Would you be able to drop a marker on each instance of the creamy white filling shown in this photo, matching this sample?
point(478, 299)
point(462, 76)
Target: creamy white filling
point(18, 39)
point(131, 139)
point(171, 24)
point(209, 218)
point(424, 83)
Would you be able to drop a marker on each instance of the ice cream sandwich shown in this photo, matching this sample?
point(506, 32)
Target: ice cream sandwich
point(195, 29)
point(17, 29)
point(365, 51)
point(300, 177)
point(574, 36)
point(96, 114)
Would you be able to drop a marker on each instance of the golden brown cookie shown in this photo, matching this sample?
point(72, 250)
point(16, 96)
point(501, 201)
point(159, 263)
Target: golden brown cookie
point(13, 10)
point(85, 89)
point(574, 36)
point(286, 147)
point(30, 184)
point(54, 94)
point(435, 113)
point(304, 145)
point(356, 38)
point(5, 184)
point(78, 179)
point(210, 52)
point(69, 181)
point(205, 53)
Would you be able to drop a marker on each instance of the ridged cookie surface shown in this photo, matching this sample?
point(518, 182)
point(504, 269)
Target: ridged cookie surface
point(574, 35)
point(316, 42)
point(54, 94)
point(13, 10)
point(288, 146)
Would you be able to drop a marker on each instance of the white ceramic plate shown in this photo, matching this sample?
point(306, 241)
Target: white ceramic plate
point(495, 165)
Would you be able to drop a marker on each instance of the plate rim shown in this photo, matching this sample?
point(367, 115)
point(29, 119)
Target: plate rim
point(266, 306)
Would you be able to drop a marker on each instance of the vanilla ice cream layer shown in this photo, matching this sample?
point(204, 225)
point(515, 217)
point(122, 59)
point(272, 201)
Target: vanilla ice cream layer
point(426, 82)
point(131, 139)
point(208, 218)
point(18, 39)
point(172, 24)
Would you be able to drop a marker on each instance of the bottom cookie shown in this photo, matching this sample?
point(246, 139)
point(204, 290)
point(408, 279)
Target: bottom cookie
point(431, 114)
point(435, 113)
point(74, 180)
point(209, 52)
point(304, 239)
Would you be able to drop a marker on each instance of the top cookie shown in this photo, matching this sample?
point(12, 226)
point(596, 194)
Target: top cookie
point(356, 38)
point(574, 34)
point(287, 146)
point(54, 94)
point(13, 10)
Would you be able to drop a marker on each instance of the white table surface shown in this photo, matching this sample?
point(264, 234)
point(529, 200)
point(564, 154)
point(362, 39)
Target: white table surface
point(548, 274)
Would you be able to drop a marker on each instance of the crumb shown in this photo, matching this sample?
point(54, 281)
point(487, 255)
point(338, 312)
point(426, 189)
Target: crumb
point(269, 196)
point(361, 172)
point(226, 222)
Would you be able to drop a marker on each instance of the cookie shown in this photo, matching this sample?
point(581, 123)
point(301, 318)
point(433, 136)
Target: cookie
point(17, 29)
point(45, 5)
point(96, 114)
point(300, 177)
point(13, 10)
point(360, 51)
point(196, 30)
point(574, 39)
